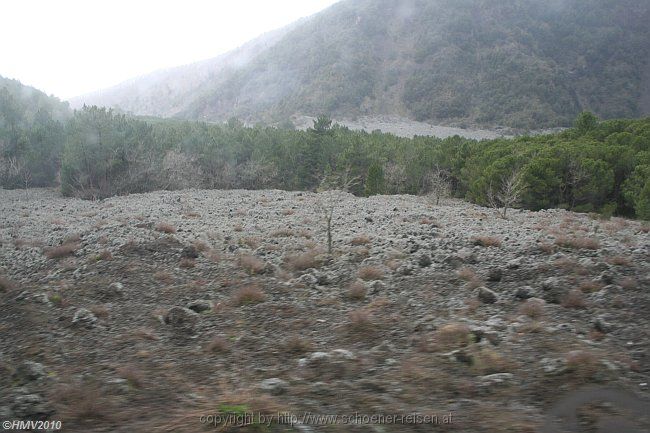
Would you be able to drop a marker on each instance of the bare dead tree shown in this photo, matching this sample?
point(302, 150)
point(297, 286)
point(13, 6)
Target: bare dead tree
point(437, 185)
point(395, 175)
point(509, 192)
point(334, 182)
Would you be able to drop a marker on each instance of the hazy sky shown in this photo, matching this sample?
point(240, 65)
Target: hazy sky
point(71, 47)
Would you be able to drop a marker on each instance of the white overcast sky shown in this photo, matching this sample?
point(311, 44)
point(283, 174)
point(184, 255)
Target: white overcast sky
point(71, 47)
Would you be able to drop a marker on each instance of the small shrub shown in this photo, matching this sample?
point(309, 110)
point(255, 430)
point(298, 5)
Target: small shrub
point(238, 228)
point(186, 263)
point(61, 251)
point(629, 283)
point(466, 274)
point(164, 277)
point(579, 243)
point(581, 364)
point(100, 311)
point(105, 255)
point(489, 361)
point(357, 291)
point(134, 377)
point(282, 233)
point(369, 273)
point(248, 295)
point(360, 240)
point(619, 261)
point(360, 320)
point(302, 261)
point(5, 284)
point(218, 344)
point(251, 264)
point(453, 335)
point(200, 246)
point(533, 308)
point(486, 241)
point(165, 228)
point(297, 345)
point(546, 248)
point(574, 299)
point(590, 286)
point(287, 212)
point(82, 402)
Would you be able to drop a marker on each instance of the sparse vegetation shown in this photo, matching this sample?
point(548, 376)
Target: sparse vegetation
point(574, 299)
point(369, 273)
point(251, 264)
point(582, 243)
point(303, 261)
point(165, 228)
point(486, 241)
point(246, 295)
point(357, 291)
point(64, 250)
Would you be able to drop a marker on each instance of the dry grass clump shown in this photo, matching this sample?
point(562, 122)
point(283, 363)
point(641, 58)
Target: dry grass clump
point(105, 255)
point(251, 264)
point(165, 228)
point(393, 264)
point(297, 345)
point(467, 274)
point(200, 246)
point(486, 241)
point(574, 299)
point(619, 261)
point(533, 308)
point(546, 248)
point(590, 286)
point(133, 376)
point(287, 212)
point(357, 291)
point(5, 284)
point(369, 273)
point(578, 243)
point(302, 261)
point(629, 283)
point(251, 242)
point(248, 295)
point(360, 320)
point(581, 364)
point(360, 240)
point(452, 335)
point(238, 228)
point(218, 344)
point(101, 311)
point(187, 263)
point(282, 233)
point(489, 361)
point(81, 403)
point(164, 277)
point(61, 251)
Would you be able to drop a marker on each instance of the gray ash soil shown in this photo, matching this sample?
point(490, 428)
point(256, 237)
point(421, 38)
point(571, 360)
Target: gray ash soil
point(413, 312)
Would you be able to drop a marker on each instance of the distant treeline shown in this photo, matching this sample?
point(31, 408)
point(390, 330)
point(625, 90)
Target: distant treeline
point(95, 153)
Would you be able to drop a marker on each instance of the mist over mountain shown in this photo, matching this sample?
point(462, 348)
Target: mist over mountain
point(517, 63)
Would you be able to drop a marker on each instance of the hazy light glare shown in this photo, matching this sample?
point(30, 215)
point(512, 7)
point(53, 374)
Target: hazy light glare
point(71, 47)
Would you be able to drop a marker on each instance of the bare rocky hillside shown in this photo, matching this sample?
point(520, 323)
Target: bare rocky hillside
point(152, 312)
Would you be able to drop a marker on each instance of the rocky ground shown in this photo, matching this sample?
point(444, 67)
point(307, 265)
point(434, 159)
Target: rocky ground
point(149, 312)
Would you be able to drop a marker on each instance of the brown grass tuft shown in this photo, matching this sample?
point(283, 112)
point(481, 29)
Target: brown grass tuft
point(101, 311)
point(369, 273)
point(360, 321)
point(302, 261)
point(165, 228)
point(164, 277)
point(187, 263)
point(61, 251)
point(218, 344)
point(533, 308)
point(360, 240)
point(248, 295)
point(582, 364)
point(629, 283)
point(574, 299)
point(590, 286)
point(5, 284)
point(357, 291)
point(251, 264)
point(619, 261)
point(578, 243)
point(452, 335)
point(486, 241)
point(282, 233)
point(297, 345)
point(133, 376)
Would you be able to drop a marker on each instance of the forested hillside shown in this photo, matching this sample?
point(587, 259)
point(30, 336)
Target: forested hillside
point(31, 135)
point(597, 166)
point(518, 63)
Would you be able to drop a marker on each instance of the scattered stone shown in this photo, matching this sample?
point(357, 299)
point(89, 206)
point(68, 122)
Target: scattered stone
point(181, 318)
point(552, 366)
point(200, 305)
point(29, 371)
point(486, 295)
point(525, 292)
point(84, 317)
point(189, 252)
point(424, 261)
point(113, 291)
point(274, 386)
point(606, 278)
point(601, 325)
point(495, 275)
point(497, 379)
point(31, 406)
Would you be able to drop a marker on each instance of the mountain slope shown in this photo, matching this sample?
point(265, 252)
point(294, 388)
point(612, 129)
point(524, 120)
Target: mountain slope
point(519, 63)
